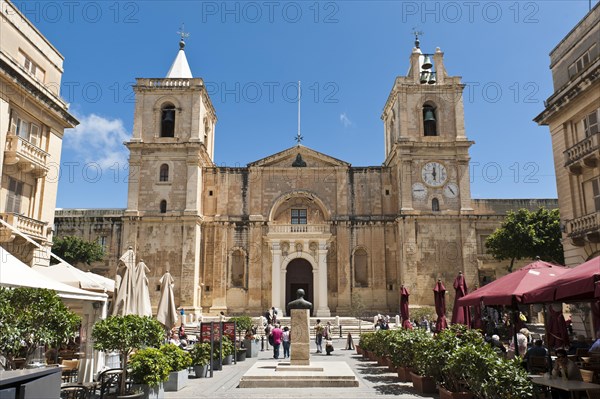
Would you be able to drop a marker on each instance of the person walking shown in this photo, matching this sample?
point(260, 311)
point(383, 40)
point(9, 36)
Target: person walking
point(276, 333)
point(285, 341)
point(319, 336)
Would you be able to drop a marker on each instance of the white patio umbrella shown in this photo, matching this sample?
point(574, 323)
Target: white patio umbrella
point(142, 303)
point(124, 284)
point(167, 311)
point(68, 274)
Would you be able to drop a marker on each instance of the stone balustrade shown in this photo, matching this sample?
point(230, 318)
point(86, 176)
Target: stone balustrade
point(19, 150)
point(26, 225)
point(582, 149)
point(299, 228)
point(584, 224)
point(169, 83)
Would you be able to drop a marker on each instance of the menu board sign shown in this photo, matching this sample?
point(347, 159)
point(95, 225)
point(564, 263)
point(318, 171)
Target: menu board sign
point(228, 330)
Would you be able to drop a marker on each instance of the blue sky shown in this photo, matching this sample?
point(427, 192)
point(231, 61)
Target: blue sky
point(347, 55)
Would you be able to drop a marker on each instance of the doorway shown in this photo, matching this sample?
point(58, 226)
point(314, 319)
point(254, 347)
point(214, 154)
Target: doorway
point(299, 275)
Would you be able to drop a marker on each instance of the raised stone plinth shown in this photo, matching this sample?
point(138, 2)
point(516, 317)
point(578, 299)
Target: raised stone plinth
point(300, 337)
point(273, 374)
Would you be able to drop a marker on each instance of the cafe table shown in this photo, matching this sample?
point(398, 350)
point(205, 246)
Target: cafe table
point(570, 386)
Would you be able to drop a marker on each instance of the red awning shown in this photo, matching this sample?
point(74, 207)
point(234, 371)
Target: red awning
point(579, 283)
point(513, 286)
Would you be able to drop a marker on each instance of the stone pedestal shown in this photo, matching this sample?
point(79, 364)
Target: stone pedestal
point(300, 332)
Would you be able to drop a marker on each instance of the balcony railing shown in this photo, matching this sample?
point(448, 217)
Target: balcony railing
point(169, 83)
point(584, 229)
point(32, 227)
point(586, 151)
point(299, 228)
point(29, 157)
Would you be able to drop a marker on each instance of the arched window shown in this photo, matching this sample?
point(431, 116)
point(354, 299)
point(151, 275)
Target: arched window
point(167, 121)
point(361, 273)
point(435, 205)
point(163, 206)
point(164, 172)
point(237, 268)
point(429, 121)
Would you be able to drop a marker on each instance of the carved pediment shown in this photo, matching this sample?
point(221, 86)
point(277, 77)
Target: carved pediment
point(308, 158)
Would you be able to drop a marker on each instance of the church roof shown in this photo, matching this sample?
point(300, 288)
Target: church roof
point(310, 157)
point(180, 67)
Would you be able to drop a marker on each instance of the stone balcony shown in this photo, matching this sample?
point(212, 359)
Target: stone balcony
point(34, 228)
point(28, 157)
point(584, 229)
point(583, 154)
point(169, 83)
point(299, 229)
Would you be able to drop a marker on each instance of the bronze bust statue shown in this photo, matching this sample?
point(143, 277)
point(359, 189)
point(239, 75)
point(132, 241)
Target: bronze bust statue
point(299, 303)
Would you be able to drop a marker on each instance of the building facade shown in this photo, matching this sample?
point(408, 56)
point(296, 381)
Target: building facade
point(33, 118)
point(245, 239)
point(572, 113)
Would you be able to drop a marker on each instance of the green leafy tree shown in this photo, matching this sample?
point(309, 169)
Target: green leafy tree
point(30, 317)
point(526, 235)
point(125, 334)
point(76, 250)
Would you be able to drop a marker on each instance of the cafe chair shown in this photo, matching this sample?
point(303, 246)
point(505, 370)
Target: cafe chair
point(70, 370)
point(538, 364)
point(74, 392)
point(587, 375)
point(108, 383)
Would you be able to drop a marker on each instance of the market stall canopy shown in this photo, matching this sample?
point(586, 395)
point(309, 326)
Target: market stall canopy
point(510, 288)
point(14, 273)
point(70, 275)
point(577, 284)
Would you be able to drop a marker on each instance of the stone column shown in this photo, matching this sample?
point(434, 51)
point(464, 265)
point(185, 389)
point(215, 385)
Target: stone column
point(282, 288)
point(276, 275)
point(300, 347)
point(322, 306)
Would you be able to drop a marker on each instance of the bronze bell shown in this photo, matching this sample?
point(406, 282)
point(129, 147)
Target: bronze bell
point(429, 115)
point(432, 79)
point(168, 116)
point(427, 63)
point(424, 77)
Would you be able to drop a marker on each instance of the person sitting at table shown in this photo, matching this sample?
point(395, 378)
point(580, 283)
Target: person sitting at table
point(538, 350)
point(564, 369)
point(596, 345)
point(578, 344)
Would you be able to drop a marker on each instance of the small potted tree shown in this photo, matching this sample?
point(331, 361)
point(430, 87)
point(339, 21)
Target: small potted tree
point(200, 358)
point(125, 334)
point(227, 350)
point(150, 368)
point(423, 351)
point(243, 325)
point(179, 361)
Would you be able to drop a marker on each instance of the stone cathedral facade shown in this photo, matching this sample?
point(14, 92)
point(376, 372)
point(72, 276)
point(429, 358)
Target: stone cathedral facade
point(245, 239)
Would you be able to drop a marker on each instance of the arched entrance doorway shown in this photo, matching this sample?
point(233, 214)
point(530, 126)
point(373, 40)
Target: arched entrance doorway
point(299, 275)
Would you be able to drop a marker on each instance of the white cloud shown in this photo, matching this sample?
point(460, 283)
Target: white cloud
point(98, 139)
point(345, 120)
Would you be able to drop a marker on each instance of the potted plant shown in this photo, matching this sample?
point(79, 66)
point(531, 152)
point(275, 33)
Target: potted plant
point(366, 343)
point(125, 334)
point(150, 368)
point(402, 353)
point(179, 361)
point(227, 350)
point(251, 342)
point(32, 317)
point(465, 370)
point(200, 358)
point(423, 351)
point(506, 379)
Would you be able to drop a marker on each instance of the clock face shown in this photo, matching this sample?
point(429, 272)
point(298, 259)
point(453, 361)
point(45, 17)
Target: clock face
point(434, 174)
point(451, 190)
point(419, 191)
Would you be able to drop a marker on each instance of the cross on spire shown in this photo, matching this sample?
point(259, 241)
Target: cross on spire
point(299, 136)
point(417, 33)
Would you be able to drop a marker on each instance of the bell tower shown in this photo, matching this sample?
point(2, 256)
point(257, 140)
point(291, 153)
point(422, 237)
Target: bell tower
point(173, 140)
point(425, 139)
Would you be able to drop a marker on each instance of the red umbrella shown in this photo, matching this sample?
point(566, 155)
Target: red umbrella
point(477, 322)
point(558, 336)
point(439, 295)
point(460, 312)
point(404, 308)
point(511, 288)
point(579, 283)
